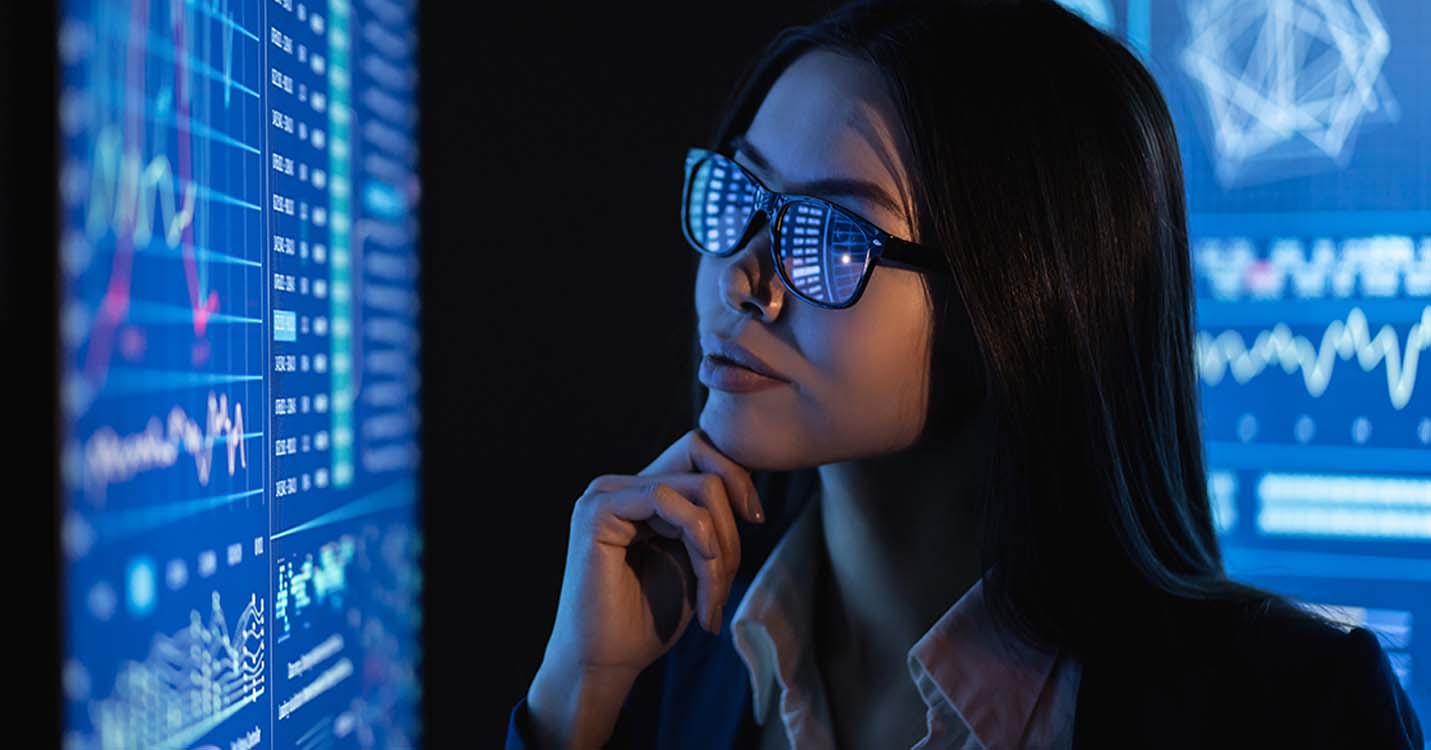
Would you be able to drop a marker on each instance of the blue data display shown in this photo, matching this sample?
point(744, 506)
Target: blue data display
point(1305, 128)
point(238, 325)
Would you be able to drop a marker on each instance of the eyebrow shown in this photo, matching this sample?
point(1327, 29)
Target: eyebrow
point(826, 187)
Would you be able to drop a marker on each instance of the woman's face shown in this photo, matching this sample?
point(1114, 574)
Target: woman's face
point(858, 377)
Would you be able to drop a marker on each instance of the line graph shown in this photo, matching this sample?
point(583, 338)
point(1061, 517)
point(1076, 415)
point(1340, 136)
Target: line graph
point(111, 458)
point(149, 185)
point(1351, 338)
point(123, 193)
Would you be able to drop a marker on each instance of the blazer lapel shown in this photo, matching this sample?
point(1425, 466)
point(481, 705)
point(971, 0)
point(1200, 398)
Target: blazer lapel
point(707, 702)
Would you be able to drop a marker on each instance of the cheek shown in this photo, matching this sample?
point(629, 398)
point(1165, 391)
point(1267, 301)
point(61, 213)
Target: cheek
point(707, 284)
point(861, 380)
point(875, 359)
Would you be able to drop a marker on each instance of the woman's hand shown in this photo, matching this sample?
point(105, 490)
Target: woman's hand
point(647, 554)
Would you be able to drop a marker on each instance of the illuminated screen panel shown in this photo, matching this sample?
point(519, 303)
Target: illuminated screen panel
point(1305, 128)
point(238, 323)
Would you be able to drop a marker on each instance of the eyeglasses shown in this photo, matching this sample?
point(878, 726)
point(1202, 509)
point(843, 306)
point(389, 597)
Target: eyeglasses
point(822, 252)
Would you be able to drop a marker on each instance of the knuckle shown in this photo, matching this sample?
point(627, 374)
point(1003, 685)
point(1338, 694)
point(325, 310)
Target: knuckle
point(583, 516)
point(712, 573)
point(660, 491)
point(603, 483)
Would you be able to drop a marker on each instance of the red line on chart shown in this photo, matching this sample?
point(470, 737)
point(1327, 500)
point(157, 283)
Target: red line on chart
point(115, 303)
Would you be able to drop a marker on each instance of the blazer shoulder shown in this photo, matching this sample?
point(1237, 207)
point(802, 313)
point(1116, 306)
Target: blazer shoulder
point(1332, 679)
point(1377, 712)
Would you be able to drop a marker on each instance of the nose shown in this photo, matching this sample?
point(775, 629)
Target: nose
point(749, 283)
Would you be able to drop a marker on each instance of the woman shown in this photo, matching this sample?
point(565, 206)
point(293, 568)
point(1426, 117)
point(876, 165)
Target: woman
point(959, 373)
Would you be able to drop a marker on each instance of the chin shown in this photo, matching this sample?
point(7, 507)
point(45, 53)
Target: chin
point(754, 438)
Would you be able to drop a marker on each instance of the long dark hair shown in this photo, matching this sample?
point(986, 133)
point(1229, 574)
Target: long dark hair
point(1043, 159)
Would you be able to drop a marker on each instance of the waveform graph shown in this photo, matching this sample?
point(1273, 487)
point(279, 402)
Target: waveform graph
point(1348, 340)
point(1297, 382)
point(218, 432)
point(1318, 412)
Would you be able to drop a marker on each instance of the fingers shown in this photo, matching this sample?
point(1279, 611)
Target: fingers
point(694, 452)
point(708, 491)
point(672, 514)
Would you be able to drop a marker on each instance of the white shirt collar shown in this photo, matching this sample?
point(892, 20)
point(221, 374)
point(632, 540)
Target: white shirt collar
point(982, 687)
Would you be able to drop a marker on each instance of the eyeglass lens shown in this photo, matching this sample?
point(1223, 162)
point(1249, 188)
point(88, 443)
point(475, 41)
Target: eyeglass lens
point(823, 252)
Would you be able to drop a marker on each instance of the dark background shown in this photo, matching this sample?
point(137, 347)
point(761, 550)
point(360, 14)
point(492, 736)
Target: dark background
point(558, 311)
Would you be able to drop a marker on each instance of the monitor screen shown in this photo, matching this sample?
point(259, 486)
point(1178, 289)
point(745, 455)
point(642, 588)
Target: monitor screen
point(1305, 131)
point(238, 357)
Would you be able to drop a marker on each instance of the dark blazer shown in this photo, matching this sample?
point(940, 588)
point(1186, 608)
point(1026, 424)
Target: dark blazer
point(1224, 677)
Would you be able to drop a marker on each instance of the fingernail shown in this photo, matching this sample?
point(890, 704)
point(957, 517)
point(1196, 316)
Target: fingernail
point(756, 511)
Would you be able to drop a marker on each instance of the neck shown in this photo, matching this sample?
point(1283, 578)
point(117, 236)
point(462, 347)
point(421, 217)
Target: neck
point(901, 534)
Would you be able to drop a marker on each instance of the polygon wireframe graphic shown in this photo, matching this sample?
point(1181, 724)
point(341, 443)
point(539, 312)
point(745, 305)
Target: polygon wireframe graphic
point(1287, 83)
point(1095, 12)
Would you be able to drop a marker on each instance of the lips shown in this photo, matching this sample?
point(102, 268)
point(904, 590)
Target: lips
point(727, 351)
point(721, 374)
point(728, 366)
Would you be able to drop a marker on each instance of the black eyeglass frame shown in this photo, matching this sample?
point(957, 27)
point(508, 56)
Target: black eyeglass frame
point(885, 249)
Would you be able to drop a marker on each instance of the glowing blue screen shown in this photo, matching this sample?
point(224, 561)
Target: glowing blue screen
point(238, 334)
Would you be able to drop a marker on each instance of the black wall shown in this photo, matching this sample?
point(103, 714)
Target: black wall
point(557, 299)
point(28, 376)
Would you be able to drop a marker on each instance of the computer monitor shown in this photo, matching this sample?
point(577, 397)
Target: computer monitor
point(1305, 131)
point(238, 307)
